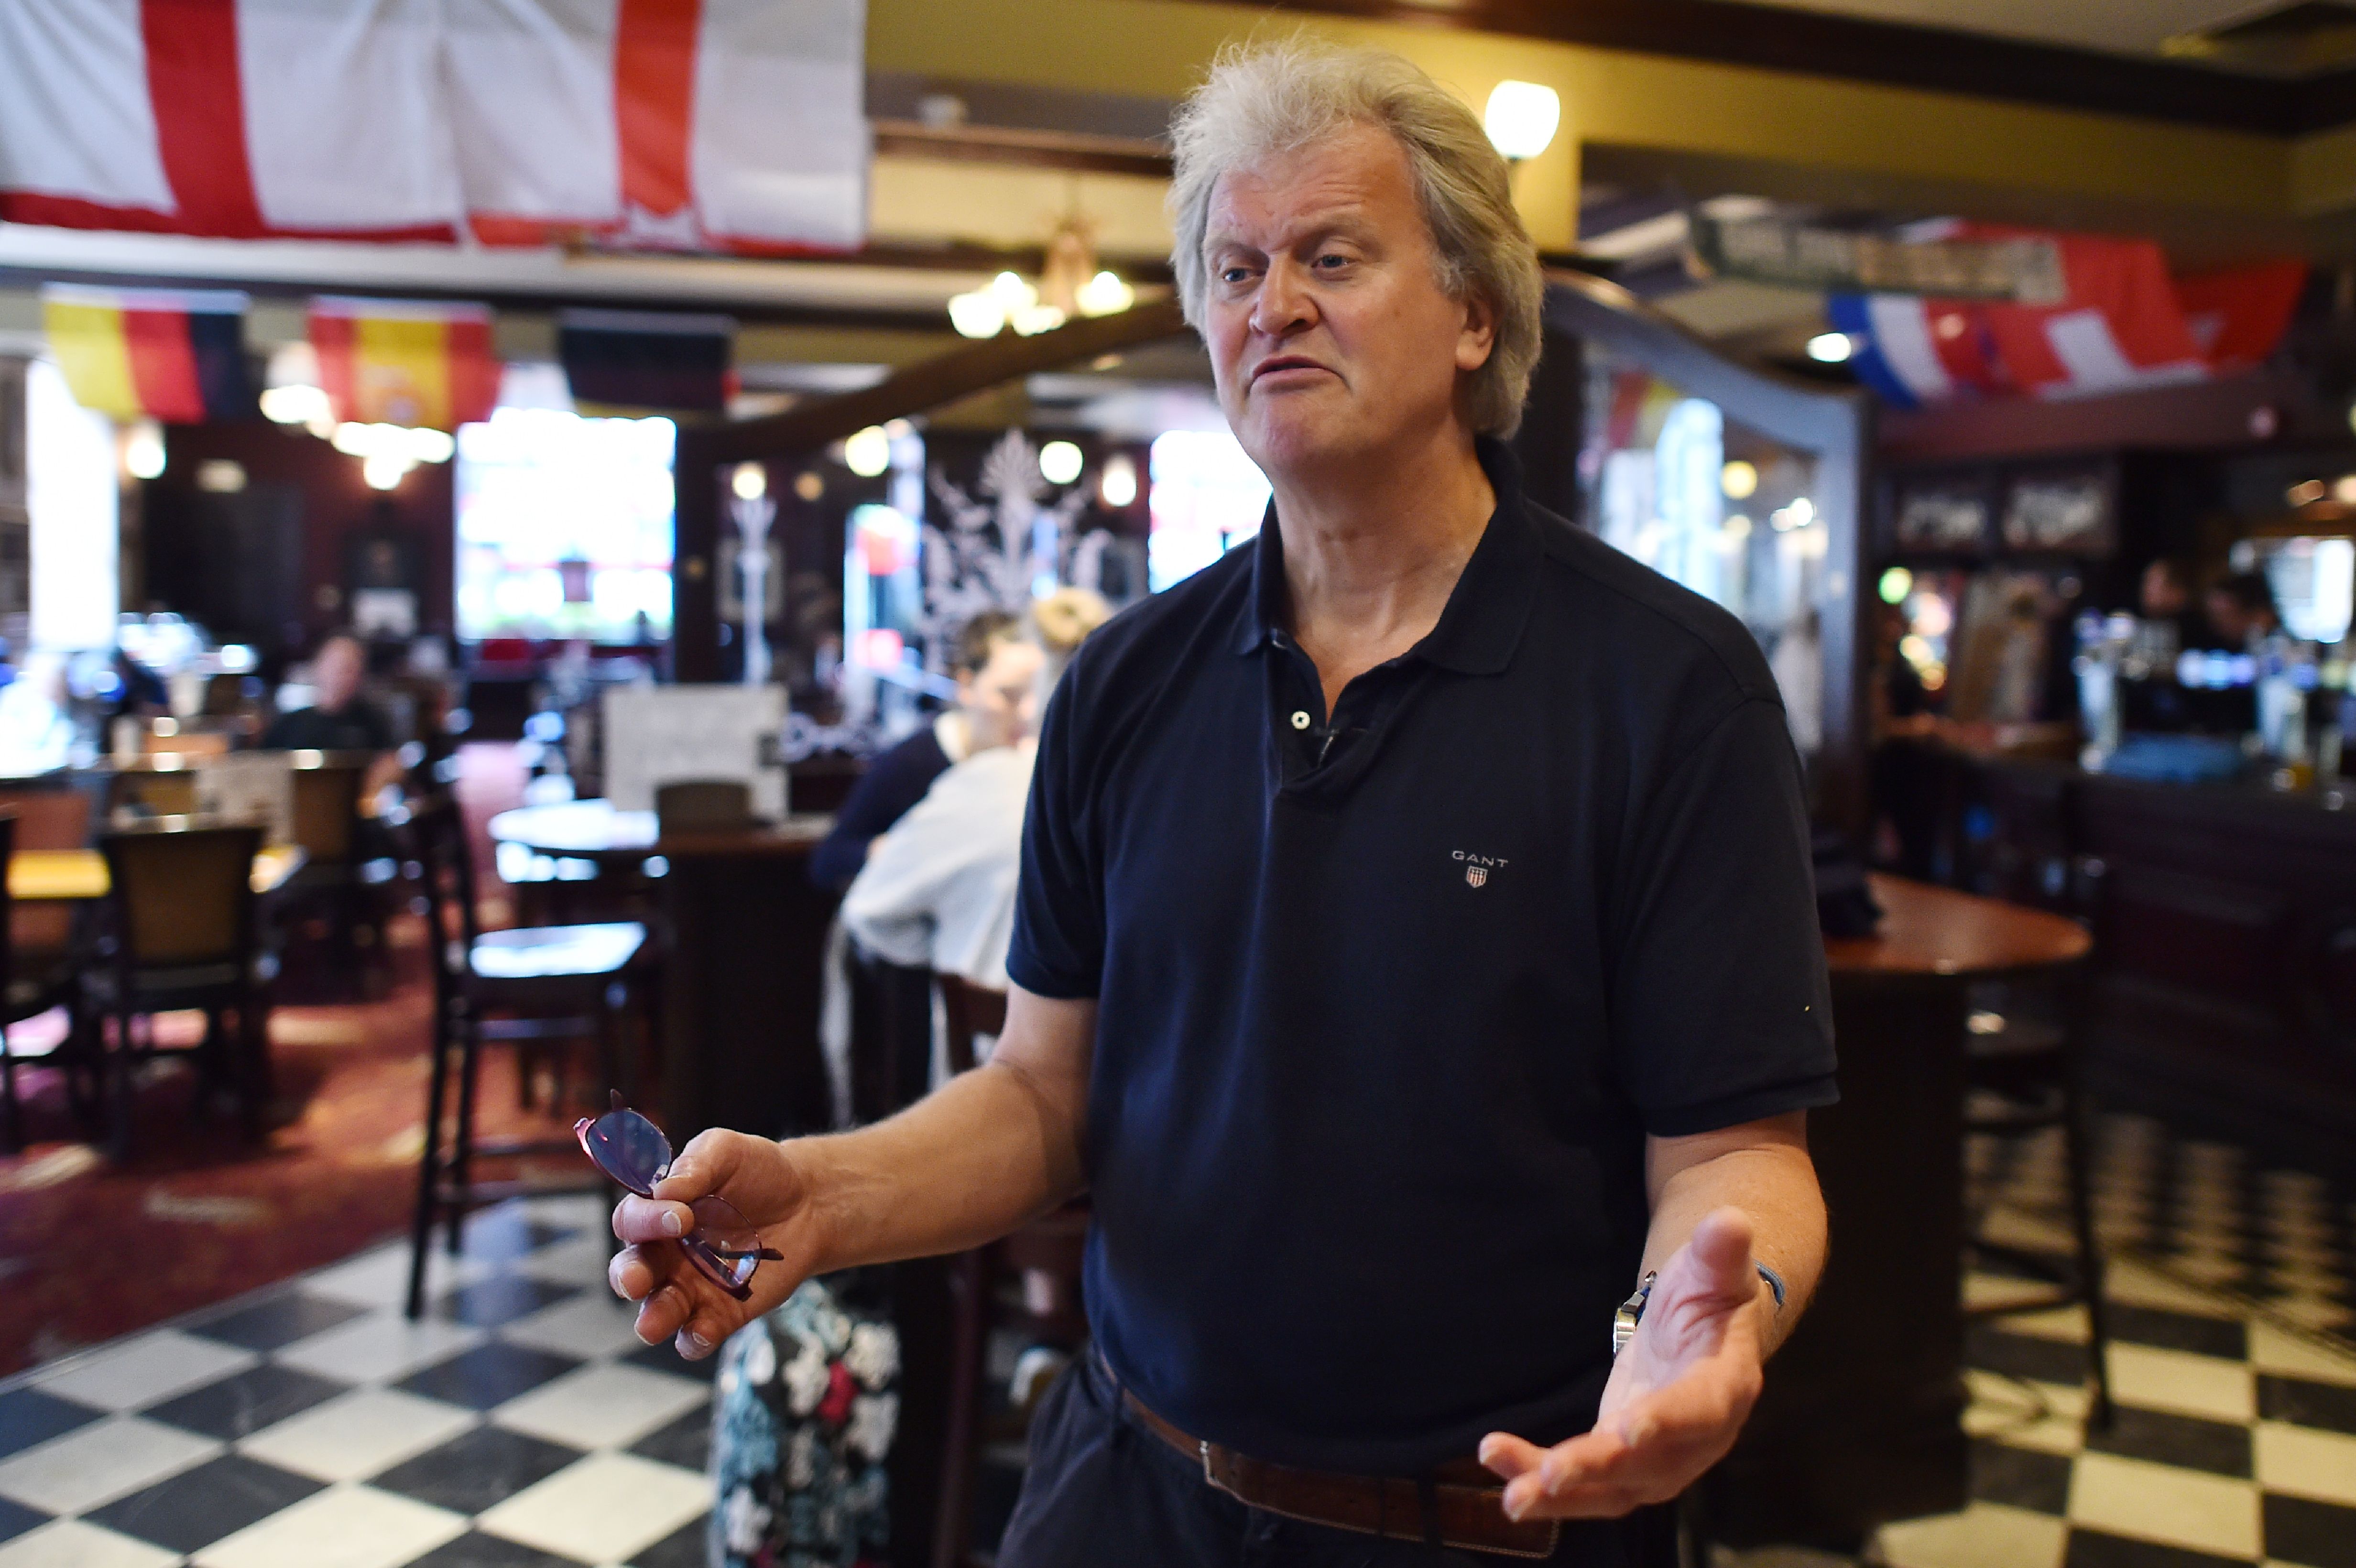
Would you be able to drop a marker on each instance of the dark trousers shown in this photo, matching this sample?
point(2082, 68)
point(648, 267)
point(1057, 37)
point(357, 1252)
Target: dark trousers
point(1103, 1489)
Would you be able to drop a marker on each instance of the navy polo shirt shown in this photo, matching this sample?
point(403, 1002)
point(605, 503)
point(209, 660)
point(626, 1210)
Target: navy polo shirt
point(1389, 999)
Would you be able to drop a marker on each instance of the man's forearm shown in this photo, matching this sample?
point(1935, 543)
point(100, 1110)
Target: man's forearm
point(1776, 1186)
point(988, 1150)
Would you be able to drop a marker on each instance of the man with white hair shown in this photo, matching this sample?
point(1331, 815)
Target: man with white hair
point(1416, 958)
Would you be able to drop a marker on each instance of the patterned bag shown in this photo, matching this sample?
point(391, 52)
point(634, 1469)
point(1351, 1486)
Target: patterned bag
point(802, 1420)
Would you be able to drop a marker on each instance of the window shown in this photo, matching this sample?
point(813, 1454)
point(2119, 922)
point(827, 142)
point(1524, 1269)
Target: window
point(564, 527)
point(1207, 497)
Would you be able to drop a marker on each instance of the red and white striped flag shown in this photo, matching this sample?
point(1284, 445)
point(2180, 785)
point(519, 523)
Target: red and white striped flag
point(690, 124)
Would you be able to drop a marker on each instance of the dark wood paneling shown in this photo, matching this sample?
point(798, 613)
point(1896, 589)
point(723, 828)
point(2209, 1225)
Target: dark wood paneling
point(1774, 38)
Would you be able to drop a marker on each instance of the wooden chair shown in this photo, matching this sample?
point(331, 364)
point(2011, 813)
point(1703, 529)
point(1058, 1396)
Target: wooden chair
point(43, 933)
point(141, 792)
point(1026, 1284)
point(703, 805)
point(183, 933)
point(31, 984)
point(533, 984)
point(326, 826)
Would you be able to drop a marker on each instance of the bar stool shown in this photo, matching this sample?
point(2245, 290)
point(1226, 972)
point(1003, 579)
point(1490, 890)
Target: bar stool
point(2032, 1067)
point(1027, 1284)
point(546, 983)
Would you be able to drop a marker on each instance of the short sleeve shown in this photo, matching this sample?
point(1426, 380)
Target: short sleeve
point(1720, 1006)
point(1059, 924)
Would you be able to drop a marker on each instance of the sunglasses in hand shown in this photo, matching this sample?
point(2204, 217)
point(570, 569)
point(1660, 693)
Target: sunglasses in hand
point(633, 1151)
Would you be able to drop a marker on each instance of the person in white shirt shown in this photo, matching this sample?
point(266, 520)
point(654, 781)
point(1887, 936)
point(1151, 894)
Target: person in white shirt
point(937, 890)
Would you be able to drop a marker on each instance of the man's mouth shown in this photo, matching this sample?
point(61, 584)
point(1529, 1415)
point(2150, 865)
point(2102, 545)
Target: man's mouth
point(1280, 363)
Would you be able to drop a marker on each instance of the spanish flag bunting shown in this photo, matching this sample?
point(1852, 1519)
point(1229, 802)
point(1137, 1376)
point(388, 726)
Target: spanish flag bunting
point(151, 354)
point(405, 363)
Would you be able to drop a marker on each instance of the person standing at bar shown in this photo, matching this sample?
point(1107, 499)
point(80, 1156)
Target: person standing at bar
point(1416, 956)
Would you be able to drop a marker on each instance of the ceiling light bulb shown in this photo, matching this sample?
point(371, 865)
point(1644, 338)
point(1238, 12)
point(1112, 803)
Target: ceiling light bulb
point(293, 404)
point(977, 315)
point(1739, 479)
point(351, 439)
point(750, 481)
point(1034, 319)
point(143, 451)
point(1012, 292)
point(1105, 294)
point(382, 470)
point(1522, 117)
point(1060, 462)
point(1118, 484)
point(867, 453)
point(1830, 347)
point(429, 445)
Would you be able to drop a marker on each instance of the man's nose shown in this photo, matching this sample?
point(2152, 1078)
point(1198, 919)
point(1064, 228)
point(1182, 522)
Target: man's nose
point(1284, 304)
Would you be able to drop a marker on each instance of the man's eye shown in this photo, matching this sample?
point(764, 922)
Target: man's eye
point(1331, 262)
point(1234, 274)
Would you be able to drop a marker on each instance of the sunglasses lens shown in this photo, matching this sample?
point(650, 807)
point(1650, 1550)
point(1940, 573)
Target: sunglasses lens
point(731, 1244)
point(629, 1149)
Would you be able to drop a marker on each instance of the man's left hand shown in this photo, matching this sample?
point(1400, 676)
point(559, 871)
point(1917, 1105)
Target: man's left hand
point(1678, 1397)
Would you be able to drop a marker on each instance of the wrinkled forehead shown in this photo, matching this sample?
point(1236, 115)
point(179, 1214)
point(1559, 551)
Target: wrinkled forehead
point(1356, 176)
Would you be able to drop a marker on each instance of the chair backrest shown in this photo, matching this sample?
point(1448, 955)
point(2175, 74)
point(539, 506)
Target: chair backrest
point(327, 808)
point(437, 840)
point(702, 806)
point(182, 895)
point(8, 903)
point(48, 818)
point(170, 793)
point(968, 1010)
point(45, 820)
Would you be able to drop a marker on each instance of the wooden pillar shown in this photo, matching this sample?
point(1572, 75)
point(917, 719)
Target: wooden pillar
point(695, 558)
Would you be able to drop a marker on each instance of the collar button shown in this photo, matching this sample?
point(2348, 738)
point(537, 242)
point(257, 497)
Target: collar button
point(1301, 718)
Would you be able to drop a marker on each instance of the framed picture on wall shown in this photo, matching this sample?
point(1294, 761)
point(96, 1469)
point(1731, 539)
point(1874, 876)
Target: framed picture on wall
point(1947, 515)
point(2068, 511)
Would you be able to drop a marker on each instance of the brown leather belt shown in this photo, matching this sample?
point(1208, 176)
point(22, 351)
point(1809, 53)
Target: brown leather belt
point(1463, 1514)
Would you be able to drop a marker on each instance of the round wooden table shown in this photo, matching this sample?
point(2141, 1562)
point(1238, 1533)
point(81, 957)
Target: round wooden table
point(742, 932)
point(595, 830)
point(1940, 933)
point(79, 876)
point(1861, 1419)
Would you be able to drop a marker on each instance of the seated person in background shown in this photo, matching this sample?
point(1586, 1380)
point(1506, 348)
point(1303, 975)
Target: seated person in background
point(995, 666)
point(2241, 609)
point(937, 890)
point(339, 719)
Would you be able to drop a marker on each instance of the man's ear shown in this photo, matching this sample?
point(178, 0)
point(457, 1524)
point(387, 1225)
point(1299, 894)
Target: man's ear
point(1477, 339)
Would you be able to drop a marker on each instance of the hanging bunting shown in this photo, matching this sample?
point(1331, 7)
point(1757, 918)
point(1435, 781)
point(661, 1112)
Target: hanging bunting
point(153, 354)
point(406, 363)
point(635, 362)
point(677, 124)
point(2123, 322)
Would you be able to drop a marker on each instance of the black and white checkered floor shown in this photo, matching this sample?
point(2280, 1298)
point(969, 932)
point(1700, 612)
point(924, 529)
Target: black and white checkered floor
point(2233, 1295)
point(522, 1426)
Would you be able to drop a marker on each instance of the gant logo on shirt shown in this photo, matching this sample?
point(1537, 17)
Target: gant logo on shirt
point(1477, 867)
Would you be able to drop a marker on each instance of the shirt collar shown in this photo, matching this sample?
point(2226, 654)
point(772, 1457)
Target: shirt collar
point(1481, 625)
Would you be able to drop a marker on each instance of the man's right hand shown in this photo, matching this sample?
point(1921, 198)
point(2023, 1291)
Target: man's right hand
point(677, 1300)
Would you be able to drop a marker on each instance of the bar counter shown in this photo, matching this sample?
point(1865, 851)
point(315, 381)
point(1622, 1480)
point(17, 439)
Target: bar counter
point(2225, 939)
